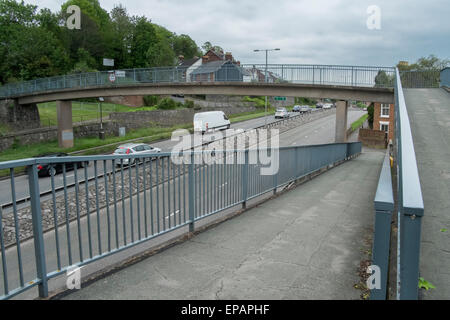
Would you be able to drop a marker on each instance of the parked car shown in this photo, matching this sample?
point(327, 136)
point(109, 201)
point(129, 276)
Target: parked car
point(134, 149)
point(211, 121)
point(281, 113)
point(48, 169)
point(327, 105)
point(319, 105)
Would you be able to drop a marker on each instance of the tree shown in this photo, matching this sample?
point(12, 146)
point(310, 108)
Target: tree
point(208, 46)
point(423, 73)
point(27, 49)
point(384, 80)
point(122, 27)
point(425, 63)
point(185, 46)
point(144, 37)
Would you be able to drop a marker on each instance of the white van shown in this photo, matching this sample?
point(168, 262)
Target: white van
point(210, 121)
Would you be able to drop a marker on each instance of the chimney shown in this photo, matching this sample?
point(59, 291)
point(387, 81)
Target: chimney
point(181, 58)
point(238, 63)
point(228, 56)
point(205, 59)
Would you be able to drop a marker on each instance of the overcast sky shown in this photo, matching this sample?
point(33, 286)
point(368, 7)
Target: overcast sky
point(307, 31)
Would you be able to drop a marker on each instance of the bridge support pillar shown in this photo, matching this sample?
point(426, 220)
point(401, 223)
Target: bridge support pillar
point(341, 121)
point(65, 128)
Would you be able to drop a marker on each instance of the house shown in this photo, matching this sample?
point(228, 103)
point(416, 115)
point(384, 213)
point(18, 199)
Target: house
point(383, 119)
point(189, 66)
point(217, 66)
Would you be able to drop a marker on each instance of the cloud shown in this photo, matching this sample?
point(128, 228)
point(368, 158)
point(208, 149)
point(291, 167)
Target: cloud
point(319, 32)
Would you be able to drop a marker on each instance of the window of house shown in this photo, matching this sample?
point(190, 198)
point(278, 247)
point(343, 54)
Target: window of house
point(385, 110)
point(384, 126)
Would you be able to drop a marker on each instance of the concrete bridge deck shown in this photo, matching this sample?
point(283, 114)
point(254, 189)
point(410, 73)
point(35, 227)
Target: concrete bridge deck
point(306, 243)
point(429, 112)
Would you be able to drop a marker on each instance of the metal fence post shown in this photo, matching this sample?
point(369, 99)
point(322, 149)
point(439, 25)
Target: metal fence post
point(245, 181)
point(39, 249)
point(191, 193)
point(384, 206)
point(410, 254)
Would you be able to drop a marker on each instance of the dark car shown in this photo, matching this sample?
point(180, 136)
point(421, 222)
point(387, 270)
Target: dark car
point(46, 169)
point(319, 105)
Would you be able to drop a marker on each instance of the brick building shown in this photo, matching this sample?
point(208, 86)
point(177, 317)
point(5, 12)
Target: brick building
point(383, 119)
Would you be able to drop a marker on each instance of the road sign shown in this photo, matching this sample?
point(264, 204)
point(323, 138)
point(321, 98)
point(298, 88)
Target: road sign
point(108, 62)
point(120, 74)
point(280, 98)
point(112, 77)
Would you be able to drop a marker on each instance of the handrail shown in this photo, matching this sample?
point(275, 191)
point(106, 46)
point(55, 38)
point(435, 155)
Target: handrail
point(410, 201)
point(384, 206)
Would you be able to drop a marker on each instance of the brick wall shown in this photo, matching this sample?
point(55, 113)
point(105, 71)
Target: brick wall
point(131, 101)
point(377, 118)
point(372, 138)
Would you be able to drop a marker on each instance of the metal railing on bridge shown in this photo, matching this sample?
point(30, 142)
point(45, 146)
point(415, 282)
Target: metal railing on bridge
point(359, 76)
point(132, 205)
point(409, 205)
point(420, 78)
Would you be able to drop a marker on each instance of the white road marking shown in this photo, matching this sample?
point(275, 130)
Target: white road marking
point(173, 213)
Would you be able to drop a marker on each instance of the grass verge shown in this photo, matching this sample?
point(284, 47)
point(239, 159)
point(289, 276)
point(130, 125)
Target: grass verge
point(358, 123)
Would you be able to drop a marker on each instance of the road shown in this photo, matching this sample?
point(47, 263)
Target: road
point(218, 192)
point(309, 132)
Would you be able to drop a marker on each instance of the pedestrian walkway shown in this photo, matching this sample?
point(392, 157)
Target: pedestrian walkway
point(429, 113)
point(306, 243)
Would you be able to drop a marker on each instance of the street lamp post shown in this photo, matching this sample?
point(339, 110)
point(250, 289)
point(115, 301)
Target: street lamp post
point(265, 80)
point(101, 133)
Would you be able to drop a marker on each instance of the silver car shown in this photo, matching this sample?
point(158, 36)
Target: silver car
point(134, 149)
point(281, 113)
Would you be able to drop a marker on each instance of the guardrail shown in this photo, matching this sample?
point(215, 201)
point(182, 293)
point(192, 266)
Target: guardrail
point(410, 201)
point(163, 196)
point(384, 206)
point(362, 76)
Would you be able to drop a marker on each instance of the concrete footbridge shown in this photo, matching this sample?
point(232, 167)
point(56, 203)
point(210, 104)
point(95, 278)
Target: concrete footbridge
point(343, 83)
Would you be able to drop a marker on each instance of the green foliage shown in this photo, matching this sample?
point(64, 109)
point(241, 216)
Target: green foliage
point(185, 46)
point(38, 44)
point(258, 101)
point(424, 284)
point(425, 63)
point(189, 104)
point(370, 110)
point(151, 100)
point(358, 123)
point(361, 105)
point(208, 46)
point(384, 80)
point(305, 101)
point(167, 104)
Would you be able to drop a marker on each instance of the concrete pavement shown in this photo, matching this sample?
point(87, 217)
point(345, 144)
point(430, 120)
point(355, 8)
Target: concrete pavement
point(305, 244)
point(429, 113)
